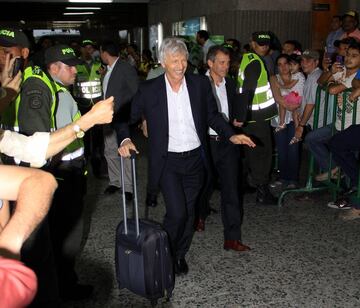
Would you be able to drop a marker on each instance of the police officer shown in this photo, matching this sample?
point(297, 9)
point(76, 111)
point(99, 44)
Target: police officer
point(255, 89)
point(87, 91)
point(43, 105)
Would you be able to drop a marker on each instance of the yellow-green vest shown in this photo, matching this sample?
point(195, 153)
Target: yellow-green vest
point(10, 117)
point(88, 84)
point(263, 97)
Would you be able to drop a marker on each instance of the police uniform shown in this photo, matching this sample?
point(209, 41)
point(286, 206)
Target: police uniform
point(87, 91)
point(255, 87)
point(44, 105)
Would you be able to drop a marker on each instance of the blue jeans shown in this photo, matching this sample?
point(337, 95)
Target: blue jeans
point(288, 155)
point(317, 141)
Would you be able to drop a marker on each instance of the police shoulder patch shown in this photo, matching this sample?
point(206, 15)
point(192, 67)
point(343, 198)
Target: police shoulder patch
point(35, 98)
point(250, 56)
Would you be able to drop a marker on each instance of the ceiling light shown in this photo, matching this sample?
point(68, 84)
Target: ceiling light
point(90, 1)
point(69, 21)
point(82, 8)
point(79, 13)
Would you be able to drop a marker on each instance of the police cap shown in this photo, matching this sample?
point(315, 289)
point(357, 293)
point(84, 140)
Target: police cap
point(13, 37)
point(62, 53)
point(88, 42)
point(261, 37)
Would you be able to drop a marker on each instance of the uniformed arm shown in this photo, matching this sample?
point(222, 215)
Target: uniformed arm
point(35, 107)
point(251, 75)
point(33, 190)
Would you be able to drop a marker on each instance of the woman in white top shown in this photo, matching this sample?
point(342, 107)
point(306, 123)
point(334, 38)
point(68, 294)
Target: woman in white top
point(288, 152)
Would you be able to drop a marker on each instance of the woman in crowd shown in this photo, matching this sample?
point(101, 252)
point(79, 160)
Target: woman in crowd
point(288, 151)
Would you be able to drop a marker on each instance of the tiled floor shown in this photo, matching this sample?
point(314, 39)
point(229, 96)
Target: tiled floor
point(302, 256)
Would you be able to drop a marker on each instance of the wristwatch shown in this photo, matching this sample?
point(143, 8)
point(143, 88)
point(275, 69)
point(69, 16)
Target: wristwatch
point(78, 131)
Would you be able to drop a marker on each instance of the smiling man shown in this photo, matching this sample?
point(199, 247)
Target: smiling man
point(178, 108)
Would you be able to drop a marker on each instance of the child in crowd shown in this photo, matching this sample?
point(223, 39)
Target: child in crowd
point(294, 97)
point(355, 93)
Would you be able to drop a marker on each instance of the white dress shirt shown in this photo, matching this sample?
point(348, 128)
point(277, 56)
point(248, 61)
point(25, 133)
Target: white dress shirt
point(107, 76)
point(182, 132)
point(224, 105)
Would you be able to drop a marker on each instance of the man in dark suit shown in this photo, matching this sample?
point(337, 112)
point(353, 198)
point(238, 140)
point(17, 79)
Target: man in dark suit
point(178, 109)
point(225, 155)
point(121, 82)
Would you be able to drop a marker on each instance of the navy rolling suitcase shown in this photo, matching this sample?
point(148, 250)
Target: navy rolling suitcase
point(142, 258)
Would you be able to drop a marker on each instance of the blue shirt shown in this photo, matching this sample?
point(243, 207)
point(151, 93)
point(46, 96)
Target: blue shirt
point(357, 76)
point(331, 38)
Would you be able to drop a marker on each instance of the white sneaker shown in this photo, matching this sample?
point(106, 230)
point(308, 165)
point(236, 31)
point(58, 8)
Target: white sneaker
point(335, 205)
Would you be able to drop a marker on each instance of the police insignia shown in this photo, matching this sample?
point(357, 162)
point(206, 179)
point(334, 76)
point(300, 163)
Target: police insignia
point(250, 56)
point(35, 101)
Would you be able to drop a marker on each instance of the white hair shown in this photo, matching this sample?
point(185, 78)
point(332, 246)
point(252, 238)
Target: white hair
point(172, 45)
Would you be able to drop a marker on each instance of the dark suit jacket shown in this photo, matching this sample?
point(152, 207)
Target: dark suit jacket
point(237, 107)
point(151, 102)
point(123, 84)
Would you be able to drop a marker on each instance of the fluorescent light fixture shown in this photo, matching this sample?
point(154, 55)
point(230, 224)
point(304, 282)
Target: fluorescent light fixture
point(69, 22)
point(79, 13)
point(90, 1)
point(90, 8)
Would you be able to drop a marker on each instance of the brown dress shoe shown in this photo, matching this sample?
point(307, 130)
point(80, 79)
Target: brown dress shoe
point(200, 225)
point(235, 245)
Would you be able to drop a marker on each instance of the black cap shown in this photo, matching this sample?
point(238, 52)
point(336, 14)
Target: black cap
point(353, 14)
point(261, 37)
point(13, 37)
point(88, 42)
point(62, 53)
point(347, 41)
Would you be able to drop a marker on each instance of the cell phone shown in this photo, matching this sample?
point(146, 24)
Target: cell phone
point(18, 66)
point(340, 59)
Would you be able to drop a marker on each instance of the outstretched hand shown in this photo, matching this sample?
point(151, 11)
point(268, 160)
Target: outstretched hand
point(242, 139)
point(103, 111)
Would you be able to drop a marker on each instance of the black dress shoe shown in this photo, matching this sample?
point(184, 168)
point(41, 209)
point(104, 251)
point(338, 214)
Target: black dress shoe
point(111, 189)
point(77, 292)
point(181, 267)
point(151, 200)
point(264, 196)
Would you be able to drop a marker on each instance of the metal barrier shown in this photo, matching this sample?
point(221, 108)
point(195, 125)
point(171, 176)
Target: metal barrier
point(333, 187)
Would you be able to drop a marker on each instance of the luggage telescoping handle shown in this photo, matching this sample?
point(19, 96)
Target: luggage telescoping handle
point(136, 208)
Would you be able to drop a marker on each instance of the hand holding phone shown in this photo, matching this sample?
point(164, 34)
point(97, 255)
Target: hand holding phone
point(340, 60)
point(18, 66)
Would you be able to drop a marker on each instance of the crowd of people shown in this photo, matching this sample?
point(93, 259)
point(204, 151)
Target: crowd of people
point(213, 123)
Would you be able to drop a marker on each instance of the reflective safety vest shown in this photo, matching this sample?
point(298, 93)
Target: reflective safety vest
point(263, 97)
point(88, 83)
point(11, 121)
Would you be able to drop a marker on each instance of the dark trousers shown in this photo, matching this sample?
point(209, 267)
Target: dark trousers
point(93, 140)
point(288, 154)
point(37, 253)
point(66, 222)
point(180, 184)
point(343, 147)
point(226, 160)
point(259, 159)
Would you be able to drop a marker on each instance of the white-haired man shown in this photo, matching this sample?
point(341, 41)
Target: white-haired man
point(178, 108)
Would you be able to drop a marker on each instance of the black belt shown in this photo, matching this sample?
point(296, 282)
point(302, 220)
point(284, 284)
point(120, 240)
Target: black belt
point(215, 137)
point(184, 154)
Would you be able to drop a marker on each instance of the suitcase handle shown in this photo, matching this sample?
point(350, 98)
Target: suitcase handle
point(133, 171)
